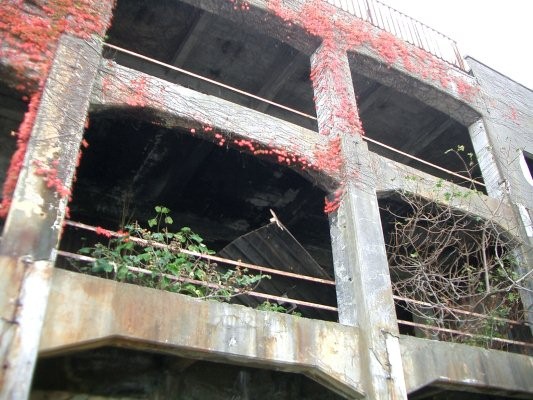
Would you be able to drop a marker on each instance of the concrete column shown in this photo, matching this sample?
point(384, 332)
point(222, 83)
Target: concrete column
point(364, 293)
point(485, 157)
point(498, 187)
point(33, 226)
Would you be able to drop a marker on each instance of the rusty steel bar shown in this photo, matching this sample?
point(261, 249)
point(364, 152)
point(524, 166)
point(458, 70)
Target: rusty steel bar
point(456, 332)
point(203, 78)
point(210, 257)
point(474, 314)
point(207, 284)
point(423, 161)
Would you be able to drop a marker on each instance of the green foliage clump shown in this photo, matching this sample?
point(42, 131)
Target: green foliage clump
point(275, 307)
point(158, 260)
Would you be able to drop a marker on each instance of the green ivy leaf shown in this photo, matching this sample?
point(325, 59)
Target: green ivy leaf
point(196, 238)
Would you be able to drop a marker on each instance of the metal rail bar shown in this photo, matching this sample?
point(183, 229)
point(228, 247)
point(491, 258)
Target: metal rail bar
point(423, 161)
point(289, 109)
point(474, 314)
point(207, 284)
point(208, 256)
point(456, 332)
point(203, 78)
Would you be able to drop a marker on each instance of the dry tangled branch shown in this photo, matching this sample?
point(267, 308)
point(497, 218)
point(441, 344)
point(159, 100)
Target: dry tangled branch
point(454, 261)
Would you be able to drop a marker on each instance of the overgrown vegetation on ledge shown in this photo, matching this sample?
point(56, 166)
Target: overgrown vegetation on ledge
point(158, 262)
point(455, 272)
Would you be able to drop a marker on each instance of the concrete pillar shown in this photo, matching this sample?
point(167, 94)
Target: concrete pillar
point(498, 187)
point(487, 162)
point(33, 226)
point(364, 293)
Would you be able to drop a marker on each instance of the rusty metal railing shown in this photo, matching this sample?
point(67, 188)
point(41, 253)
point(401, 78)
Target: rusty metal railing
point(457, 334)
point(404, 27)
point(208, 258)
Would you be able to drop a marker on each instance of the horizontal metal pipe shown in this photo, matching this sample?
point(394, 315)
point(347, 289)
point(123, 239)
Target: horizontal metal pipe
point(474, 314)
point(456, 332)
point(144, 271)
point(203, 78)
point(208, 256)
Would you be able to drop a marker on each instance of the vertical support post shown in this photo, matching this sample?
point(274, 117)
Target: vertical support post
point(487, 162)
point(498, 187)
point(33, 226)
point(364, 293)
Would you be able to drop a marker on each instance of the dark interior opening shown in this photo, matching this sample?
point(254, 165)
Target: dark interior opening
point(436, 392)
point(449, 275)
point(131, 166)
point(12, 109)
point(407, 124)
point(117, 372)
point(216, 48)
point(529, 162)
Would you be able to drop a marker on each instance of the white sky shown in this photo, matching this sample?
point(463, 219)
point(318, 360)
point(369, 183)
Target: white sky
point(498, 33)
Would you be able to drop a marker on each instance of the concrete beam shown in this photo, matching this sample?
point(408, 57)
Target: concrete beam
point(260, 17)
point(366, 62)
point(498, 186)
point(395, 177)
point(456, 366)
point(364, 294)
point(119, 87)
point(88, 312)
point(33, 225)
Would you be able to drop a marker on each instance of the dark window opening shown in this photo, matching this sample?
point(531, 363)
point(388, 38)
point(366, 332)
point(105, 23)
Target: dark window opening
point(435, 392)
point(450, 275)
point(12, 109)
point(117, 372)
point(410, 126)
point(529, 163)
point(216, 48)
point(222, 194)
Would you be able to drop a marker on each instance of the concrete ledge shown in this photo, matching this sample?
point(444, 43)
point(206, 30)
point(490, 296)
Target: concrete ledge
point(461, 367)
point(87, 312)
point(396, 177)
point(175, 106)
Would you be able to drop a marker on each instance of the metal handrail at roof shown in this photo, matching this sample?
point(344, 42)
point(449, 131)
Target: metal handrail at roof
point(404, 27)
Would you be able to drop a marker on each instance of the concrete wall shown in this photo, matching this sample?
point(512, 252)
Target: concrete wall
point(358, 358)
point(508, 118)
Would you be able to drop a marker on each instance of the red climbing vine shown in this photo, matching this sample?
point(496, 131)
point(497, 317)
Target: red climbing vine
point(29, 33)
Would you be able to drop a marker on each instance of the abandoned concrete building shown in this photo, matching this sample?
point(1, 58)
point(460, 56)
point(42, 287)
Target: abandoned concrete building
point(357, 194)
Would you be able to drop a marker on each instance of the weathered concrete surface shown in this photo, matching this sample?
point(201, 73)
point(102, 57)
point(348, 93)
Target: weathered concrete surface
point(364, 61)
point(461, 367)
point(508, 120)
point(259, 17)
point(483, 148)
point(177, 106)
point(32, 229)
point(504, 134)
point(364, 58)
point(364, 294)
point(398, 177)
point(85, 312)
